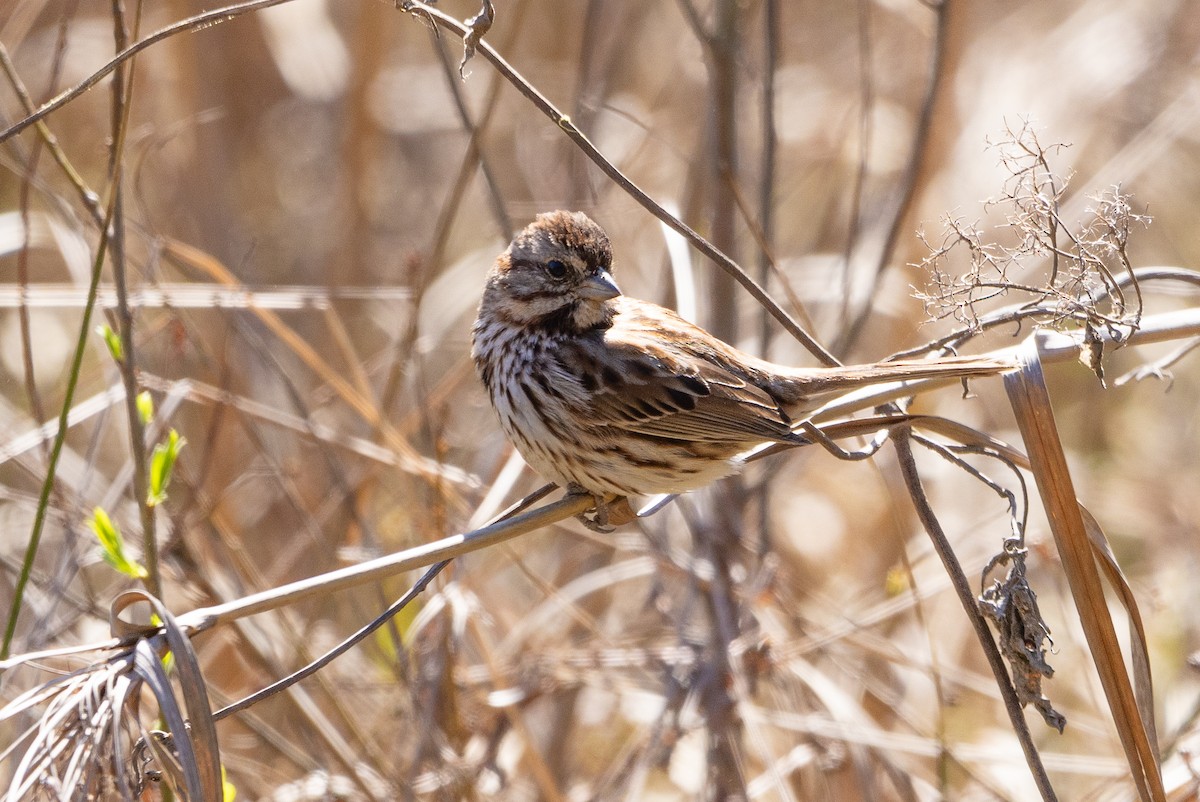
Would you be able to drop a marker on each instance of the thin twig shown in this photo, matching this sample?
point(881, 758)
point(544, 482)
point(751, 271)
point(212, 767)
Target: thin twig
point(343, 647)
point(374, 570)
point(122, 96)
point(918, 163)
point(427, 12)
point(722, 134)
point(770, 142)
point(962, 587)
point(765, 229)
point(197, 23)
point(23, 201)
point(89, 198)
point(866, 103)
point(31, 389)
point(474, 155)
point(39, 518)
point(1016, 314)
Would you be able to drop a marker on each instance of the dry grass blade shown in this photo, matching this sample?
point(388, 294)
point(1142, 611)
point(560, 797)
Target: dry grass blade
point(178, 767)
point(69, 745)
point(199, 737)
point(195, 295)
point(1035, 418)
point(80, 746)
point(353, 395)
point(1139, 657)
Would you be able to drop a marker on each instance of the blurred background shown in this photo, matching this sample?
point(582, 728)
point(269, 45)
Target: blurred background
point(312, 197)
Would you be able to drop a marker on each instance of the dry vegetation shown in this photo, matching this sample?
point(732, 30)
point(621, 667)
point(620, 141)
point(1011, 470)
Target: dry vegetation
point(310, 196)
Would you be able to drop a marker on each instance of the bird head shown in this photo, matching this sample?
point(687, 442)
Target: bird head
point(556, 274)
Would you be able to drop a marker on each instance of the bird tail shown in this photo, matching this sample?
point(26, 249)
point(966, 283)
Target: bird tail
point(809, 385)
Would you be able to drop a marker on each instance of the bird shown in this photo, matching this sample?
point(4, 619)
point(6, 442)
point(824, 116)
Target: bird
point(613, 396)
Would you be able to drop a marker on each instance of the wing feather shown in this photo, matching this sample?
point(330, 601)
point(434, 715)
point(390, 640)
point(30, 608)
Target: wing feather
point(664, 386)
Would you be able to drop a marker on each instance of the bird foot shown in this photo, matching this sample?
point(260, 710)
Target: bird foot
point(607, 515)
point(596, 519)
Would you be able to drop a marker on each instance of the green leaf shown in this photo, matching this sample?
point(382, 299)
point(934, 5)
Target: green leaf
point(112, 340)
point(162, 462)
point(145, 407)
point(112, 545)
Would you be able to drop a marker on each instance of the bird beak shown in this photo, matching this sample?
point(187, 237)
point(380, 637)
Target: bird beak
point(599, 287)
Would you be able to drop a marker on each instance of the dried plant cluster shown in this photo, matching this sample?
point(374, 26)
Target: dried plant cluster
point(1087, 277)
point(238, 270)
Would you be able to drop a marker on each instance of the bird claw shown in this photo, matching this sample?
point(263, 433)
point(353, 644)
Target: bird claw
point(596, 519)
point(607, 515)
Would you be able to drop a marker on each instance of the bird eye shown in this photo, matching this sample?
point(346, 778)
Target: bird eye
point(556, 269)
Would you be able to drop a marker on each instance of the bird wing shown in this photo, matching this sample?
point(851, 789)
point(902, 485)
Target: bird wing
point(665, 383)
